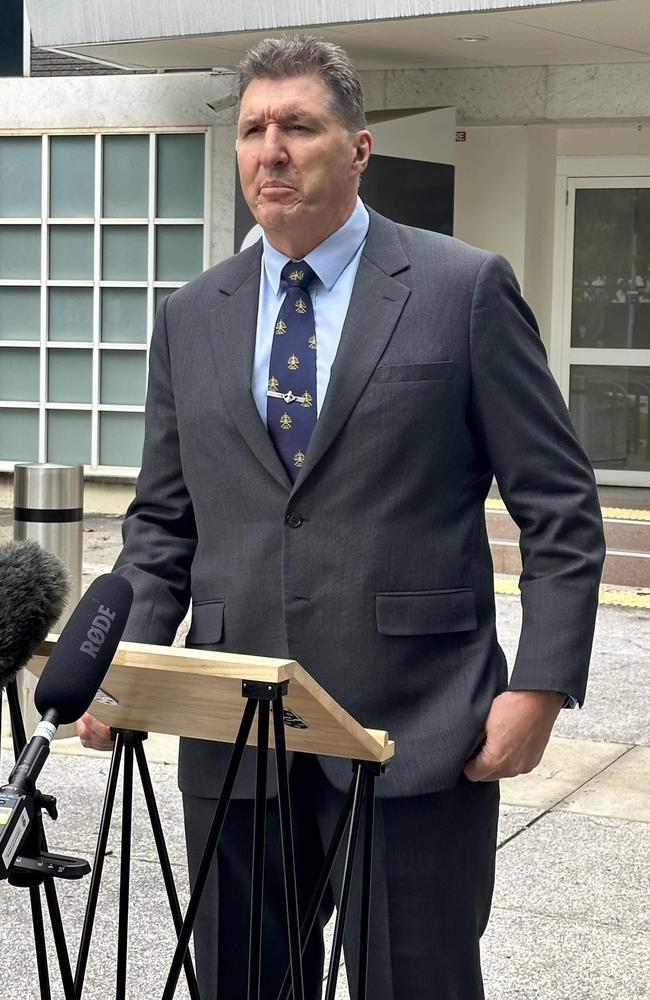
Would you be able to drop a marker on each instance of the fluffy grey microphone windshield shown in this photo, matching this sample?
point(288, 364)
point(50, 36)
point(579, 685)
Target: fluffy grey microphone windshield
point(34, 585)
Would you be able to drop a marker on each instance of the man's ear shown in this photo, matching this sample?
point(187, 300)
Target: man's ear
point(362, 150)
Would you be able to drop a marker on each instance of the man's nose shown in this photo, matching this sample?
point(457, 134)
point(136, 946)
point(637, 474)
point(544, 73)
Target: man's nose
point(273, 147)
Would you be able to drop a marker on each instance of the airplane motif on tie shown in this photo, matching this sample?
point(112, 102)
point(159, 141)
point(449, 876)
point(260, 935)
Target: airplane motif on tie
point(292, 369)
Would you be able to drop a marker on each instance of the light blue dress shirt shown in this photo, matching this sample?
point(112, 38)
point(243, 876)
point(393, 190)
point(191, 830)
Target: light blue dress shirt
point(335, 261)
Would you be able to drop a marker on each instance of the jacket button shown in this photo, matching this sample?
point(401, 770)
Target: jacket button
point(293, 519)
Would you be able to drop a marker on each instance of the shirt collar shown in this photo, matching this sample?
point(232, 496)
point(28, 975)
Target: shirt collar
point(330, 258)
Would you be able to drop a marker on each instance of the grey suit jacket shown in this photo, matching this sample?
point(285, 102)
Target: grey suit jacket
point(384, 590)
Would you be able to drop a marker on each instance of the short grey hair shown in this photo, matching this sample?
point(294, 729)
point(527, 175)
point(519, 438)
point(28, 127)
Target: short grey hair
point(305, 55)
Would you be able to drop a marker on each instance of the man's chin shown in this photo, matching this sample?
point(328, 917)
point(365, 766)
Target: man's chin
point(275, 215)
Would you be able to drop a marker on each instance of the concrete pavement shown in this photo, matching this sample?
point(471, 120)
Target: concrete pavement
point(570, 919)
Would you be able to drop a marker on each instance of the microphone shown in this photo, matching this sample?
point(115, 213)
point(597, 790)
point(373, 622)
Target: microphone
point(34, 585)
point(67, 686)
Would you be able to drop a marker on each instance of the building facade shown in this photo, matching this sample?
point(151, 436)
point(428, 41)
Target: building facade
point(117, 184)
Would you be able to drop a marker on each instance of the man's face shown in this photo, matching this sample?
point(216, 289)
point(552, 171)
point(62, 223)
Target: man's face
point(298, 166)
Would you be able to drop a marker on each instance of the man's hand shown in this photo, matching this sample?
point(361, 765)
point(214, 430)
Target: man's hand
point(94, 734)
point(517, 730)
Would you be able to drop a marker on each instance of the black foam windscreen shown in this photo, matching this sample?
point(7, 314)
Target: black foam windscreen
point(85, 648)
point(34, 585)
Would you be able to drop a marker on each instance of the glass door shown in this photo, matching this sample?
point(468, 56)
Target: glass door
point(607, 312)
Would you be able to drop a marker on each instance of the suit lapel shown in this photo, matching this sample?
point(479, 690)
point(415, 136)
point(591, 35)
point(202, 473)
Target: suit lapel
point(234, 322)
point(377, 301)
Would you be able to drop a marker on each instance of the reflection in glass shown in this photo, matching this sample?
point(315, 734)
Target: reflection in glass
point(179, 252)
point(611, 268)
point(609, 407)
point(20, 313)
point(124, 253)
point(69, 376)
point(126, 176)
point(120, 438)
point(123, 378)
point(18, 435)
point(180, 176)
point(20, 251)
point(70, 314)
point(72, 176)
point(19, 367)
point(71, 252)
point(68, 437)
point(124, 315)
point(20, 177)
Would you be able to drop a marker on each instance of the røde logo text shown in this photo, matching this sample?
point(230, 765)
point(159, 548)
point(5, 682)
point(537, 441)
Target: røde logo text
point(98, 631)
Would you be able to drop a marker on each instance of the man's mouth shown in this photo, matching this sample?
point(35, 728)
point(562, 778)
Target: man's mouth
point(275, 186)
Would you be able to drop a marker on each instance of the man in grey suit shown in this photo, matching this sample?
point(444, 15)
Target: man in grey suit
point(355, 543)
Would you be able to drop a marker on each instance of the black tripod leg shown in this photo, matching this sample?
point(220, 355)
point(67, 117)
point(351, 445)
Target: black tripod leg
point(257, 872)
point(165, 865)
point(364, 922)
point(342, 908)
point(125, 874)
point(59, 939)
point(323, 879)
point(98, 866)
point(19, 740)
point(39, 942)
point(286, 835)
point(209, 850)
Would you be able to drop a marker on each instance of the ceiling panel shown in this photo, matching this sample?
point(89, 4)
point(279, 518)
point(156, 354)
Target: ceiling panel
point(509, 43)
point(615, 22)
point(598, 31)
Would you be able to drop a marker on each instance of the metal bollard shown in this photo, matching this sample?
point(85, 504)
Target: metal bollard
point(48, 509)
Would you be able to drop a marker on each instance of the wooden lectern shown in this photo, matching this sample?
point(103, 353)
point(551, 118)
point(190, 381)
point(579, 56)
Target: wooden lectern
point(230, 698)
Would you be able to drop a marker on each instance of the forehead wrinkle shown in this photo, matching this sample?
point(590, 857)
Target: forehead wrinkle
point(285, 114)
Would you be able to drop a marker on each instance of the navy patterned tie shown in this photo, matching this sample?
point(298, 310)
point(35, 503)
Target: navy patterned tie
point(291, 391)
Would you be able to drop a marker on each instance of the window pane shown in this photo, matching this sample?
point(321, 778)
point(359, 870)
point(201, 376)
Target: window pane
point(69, 376)
point(68, 437)
point(120, 438)
point(123, 377)
point(70, 314)
point(72, 176)
point(180, 176)
point(20, 251)
point(18, 435)
point(609, 406)
point(71, 252)
point(124, 315)
point(20, 177)
point(611, 269)
point(179, 252)
point(19, 373)
point(126, 176)
point(124, 253)
point(20, 313)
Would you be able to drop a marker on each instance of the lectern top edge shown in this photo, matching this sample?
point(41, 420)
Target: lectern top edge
point(199, 693)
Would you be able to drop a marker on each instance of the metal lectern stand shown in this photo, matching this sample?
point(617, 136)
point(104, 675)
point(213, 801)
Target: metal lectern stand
point(199, 694)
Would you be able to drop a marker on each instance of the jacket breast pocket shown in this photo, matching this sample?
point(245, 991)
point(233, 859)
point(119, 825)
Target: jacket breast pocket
point(429, 371)
point(206, 628)
point(426, 612)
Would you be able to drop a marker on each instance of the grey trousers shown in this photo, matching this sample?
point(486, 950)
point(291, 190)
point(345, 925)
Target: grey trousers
point(433, 876)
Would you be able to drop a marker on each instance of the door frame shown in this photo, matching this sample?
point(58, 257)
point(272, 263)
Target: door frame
point(574, 173)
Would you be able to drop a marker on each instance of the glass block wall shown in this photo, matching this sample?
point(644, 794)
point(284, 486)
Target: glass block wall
point(95, 230)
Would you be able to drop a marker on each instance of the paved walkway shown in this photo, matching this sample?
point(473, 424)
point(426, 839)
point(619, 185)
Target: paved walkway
point(570, 919)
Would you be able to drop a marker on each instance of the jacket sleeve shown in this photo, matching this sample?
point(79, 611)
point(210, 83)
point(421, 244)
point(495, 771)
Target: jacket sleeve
point(546, 482)
point(159, 530)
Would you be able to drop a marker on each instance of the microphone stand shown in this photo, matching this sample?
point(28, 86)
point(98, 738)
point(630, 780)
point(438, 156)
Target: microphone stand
point(128, 744)
point(35, 867)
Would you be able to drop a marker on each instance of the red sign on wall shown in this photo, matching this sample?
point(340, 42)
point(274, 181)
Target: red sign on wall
point(461, 136)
